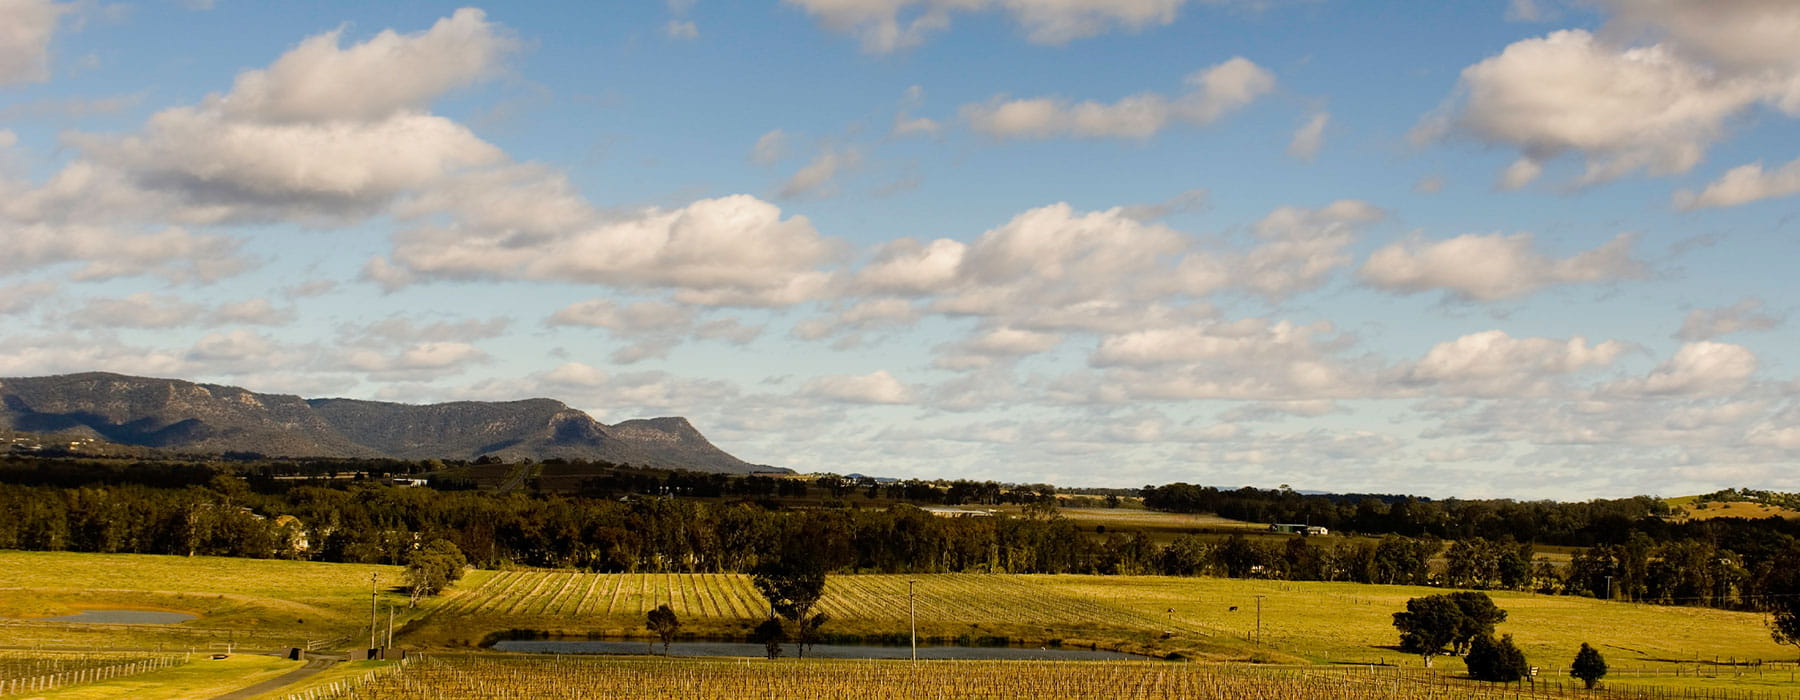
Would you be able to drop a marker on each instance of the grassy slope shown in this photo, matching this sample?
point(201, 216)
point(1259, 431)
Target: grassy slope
point(1301, 621)
point(254, 602)
point(199, 680)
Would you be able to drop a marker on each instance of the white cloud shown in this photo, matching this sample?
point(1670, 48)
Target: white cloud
point(1746, 315)
point(1742, 185)
point(26, 27)
point(681, 29)
point(1493, 267)
point(1627, 107)
point(107, 253)
point(996, 345)
point(905, 126)
point(140, 310)
point(1492, 363)
point(1742, 37)
point(638, 317)
point(877, 387)
point(1212, 93)
point(729, 330)
point(1053, 257)
point(398, 330)
point(888, 25)
point(1297, 249)
point(770, 148)
point(734, 250)
point(413, 363)
point(1310, 137)
point(372, 81)
point(1701, 368)
point(256, 312)
point(22, 297)
point(906, 266)
point(816, 177)
point(1246, 341)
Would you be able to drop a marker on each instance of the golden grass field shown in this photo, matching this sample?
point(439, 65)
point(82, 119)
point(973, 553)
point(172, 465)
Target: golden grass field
point(1327, 625)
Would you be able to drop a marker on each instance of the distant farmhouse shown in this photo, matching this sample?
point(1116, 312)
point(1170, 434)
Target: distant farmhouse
point(1298, 529)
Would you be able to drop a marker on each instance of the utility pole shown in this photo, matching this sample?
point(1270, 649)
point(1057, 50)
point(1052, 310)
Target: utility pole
point(1259, 620)
point(1609, 590)
point(390, 634)
point(373, 628)
point(912, 604)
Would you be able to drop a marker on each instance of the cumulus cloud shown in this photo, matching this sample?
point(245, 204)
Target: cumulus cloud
point(1651, 91)
point(996, 345)
point(26, 27)
point(1493, 267)
point(1746, 315)
point(326, 131)
point(887, 25)
point(1251, 358)
point(877, 387)
point(1212, 93)
point(734, 250)
point(1700, 368)
point(1297, 249)
point(103, 252)
point(1742, 185)
point(1492, 363)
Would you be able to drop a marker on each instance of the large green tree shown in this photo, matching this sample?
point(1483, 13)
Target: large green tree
point(792, 581)
point(1589, 665)
point(1446, 623)
point(433, 567)
point(1498, 661)
point(1428, 626)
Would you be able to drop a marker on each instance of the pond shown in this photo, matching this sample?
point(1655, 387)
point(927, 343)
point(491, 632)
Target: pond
point(822, 651)
point(122, 617)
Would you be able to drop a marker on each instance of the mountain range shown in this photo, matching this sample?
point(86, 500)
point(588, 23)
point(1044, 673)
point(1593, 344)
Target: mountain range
point(186, 417)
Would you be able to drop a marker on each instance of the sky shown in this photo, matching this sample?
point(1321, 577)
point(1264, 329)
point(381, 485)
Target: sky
point(1521, 248)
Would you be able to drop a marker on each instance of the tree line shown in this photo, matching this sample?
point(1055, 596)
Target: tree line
point(186, 510)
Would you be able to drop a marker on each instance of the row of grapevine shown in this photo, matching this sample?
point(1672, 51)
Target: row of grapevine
point(495, 677)
point(38, 671)
point(943, 597)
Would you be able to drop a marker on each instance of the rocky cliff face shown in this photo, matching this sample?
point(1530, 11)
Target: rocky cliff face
point(209, 418)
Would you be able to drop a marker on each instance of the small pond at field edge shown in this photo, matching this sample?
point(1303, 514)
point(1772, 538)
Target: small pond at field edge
point(821, 651)
point(121, 617)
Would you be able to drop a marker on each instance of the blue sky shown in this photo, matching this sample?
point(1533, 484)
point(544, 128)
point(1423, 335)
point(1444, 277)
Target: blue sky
point(1523, 248)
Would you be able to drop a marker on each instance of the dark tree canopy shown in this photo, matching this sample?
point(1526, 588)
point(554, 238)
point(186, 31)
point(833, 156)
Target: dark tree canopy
point(431, 568)
point(1454, 620)
point(664, 623)
point(1428, 625)
point(1782, 588)
point(1589, 665)
point(792, 582)
point(1480, 615)
point(1498, 661)
point(770, 634)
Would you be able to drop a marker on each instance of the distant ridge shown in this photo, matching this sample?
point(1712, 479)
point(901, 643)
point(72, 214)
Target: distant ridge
point(183, 416)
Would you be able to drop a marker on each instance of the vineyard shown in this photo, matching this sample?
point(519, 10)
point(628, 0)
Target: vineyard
point(22, 672)
point(500, 677)
point(949, 606)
